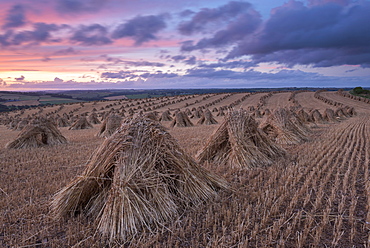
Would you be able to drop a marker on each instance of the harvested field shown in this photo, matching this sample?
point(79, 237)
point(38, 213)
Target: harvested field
point(278, 100)
point(308, 101)
point(317, 195)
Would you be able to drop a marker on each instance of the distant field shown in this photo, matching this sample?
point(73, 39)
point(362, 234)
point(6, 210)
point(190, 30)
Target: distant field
point(318, 195)
point(10, 99)
point(116, 97)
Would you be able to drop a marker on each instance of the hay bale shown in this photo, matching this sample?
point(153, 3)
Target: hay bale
point(37, 134)
point(166, 116)
point(207, 118)
point(181, 120)
point(138, 180)
point(80, 123)
point(109, 126)
point(285, 128)
point(93, 118)
point(238, 142)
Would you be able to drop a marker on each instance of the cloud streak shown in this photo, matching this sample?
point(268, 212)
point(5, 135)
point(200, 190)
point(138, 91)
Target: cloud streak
point(141, 28)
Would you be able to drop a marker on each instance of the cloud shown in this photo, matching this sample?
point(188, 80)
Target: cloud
point(141, 28)
point(189, 60)
point(16, 17)
point(94, 34)
point(236, 19)
point(66, 51)
point(206, 16)
point(21, 78)
point(41, 33)
point(144, 63)
point(321, 35)
point(230, 64)
point(58, 80)
point(128, 75)
point(2, 82)
point(321, 2)
point(118, 75)
point(78, 6)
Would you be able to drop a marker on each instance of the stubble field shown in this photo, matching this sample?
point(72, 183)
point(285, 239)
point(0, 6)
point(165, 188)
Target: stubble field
point(318, 195)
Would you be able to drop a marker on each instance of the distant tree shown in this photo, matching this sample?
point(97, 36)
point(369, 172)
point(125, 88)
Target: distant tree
point(358, 90)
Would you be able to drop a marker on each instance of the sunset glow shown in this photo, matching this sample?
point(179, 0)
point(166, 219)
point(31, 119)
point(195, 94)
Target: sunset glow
point(96, 44)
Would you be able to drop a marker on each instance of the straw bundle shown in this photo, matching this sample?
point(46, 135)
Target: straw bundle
point(316, 116)
point(304, 116)
point(267, 112)
point(340, 113)
point(93, 118)
point(138, 179)
point(62, 122)
point(351, 111)
point(109, 126)
point(188, 112)
point(181, 120)
point(257, 114)
point(198, 113)
point(238, 142)
point(80, 123)
point(329, 115)
point(152, 116)
point(21, 125)
point(221, 112)
point(285, 128)
point(37, 134)
point(207, 118)
point(166, 116)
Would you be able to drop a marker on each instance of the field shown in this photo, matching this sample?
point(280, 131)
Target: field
point(18, 99)
point(318, 195)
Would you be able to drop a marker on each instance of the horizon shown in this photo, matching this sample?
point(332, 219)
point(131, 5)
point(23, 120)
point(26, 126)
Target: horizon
point(110, 44)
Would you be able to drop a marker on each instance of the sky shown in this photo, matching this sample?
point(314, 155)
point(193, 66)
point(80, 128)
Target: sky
point(151, 44)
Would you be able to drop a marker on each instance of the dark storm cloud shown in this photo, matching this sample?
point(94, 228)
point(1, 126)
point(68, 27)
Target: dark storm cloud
point(91, 35)
point(141, 28)
point(15, 17)
point(327, 34)
point(77, 6)
point(237, 19)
